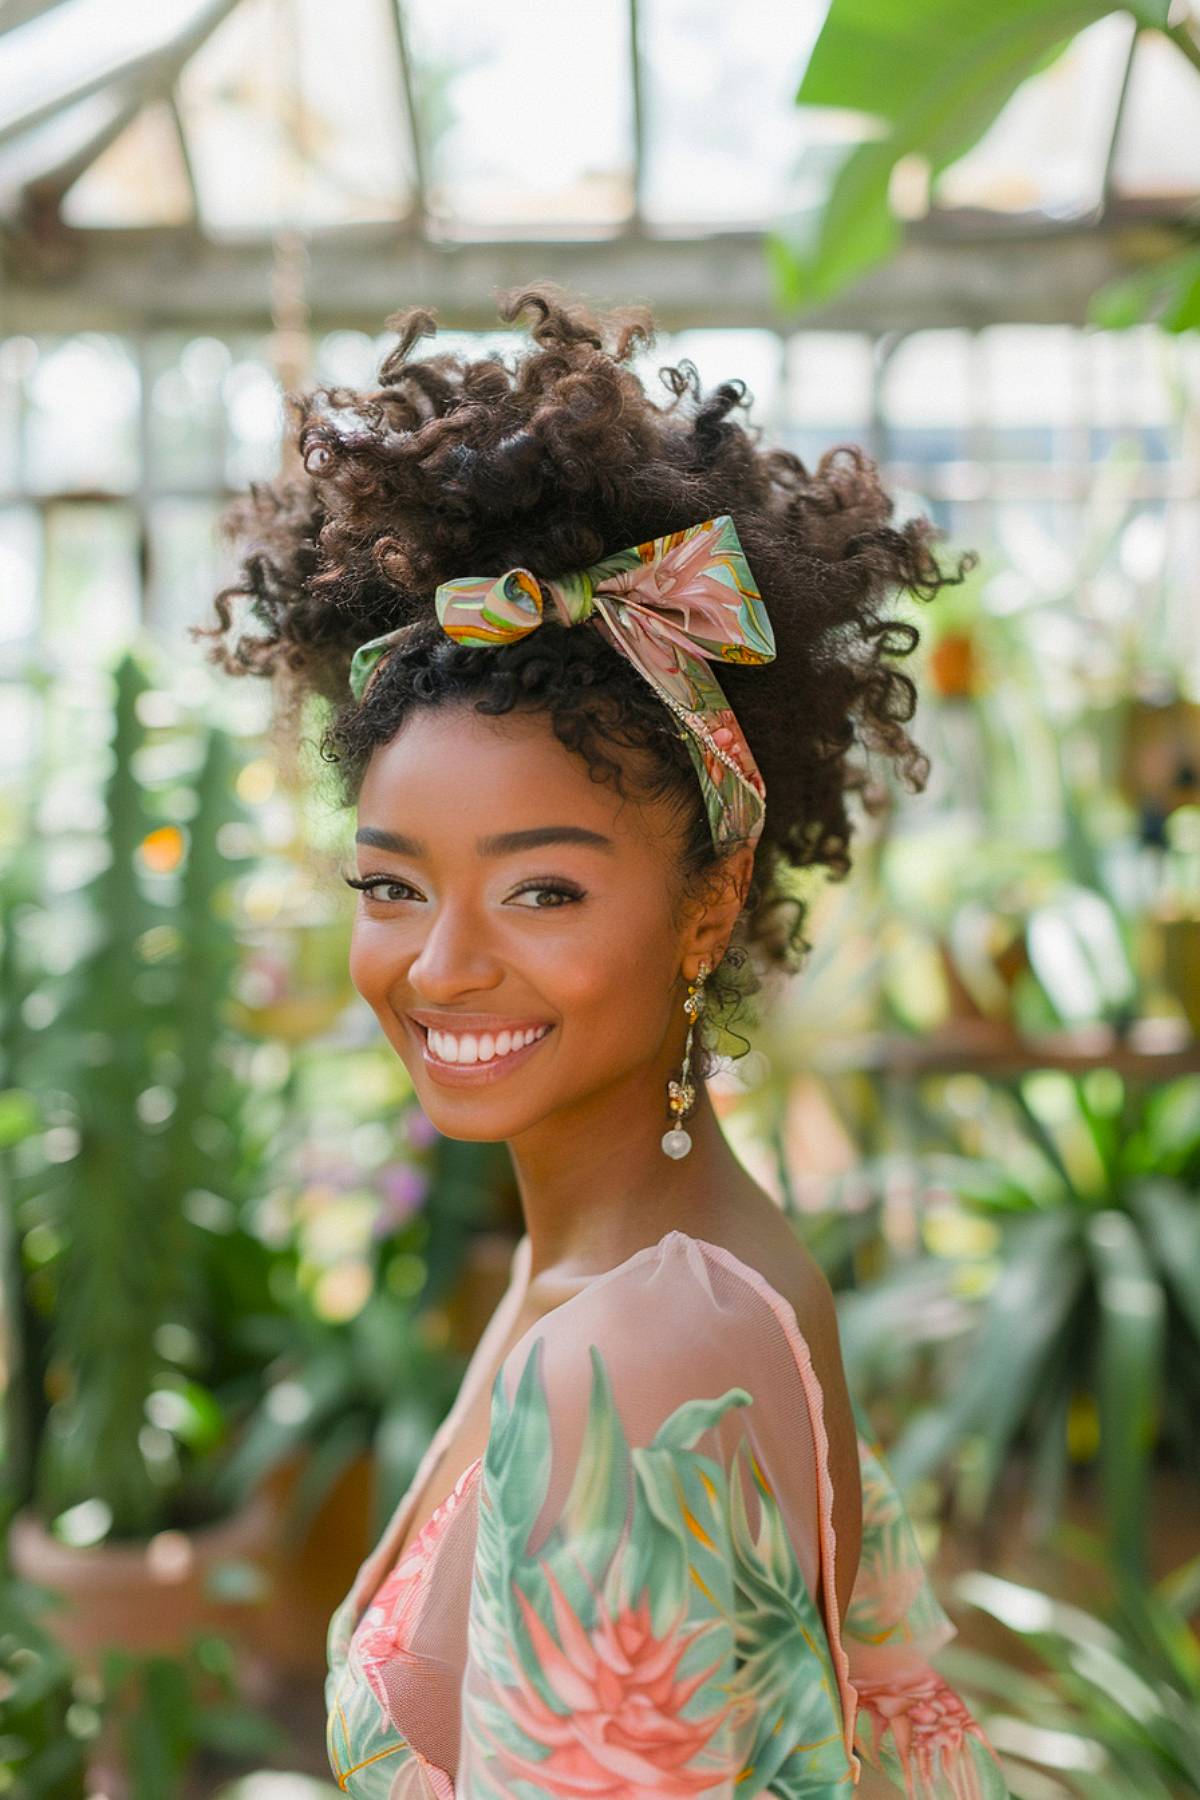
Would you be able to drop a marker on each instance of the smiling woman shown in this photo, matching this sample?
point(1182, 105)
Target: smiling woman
point(598, 665)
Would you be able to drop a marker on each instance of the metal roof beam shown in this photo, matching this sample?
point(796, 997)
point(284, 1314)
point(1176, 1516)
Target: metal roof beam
point(23, 12)
point(135, 279)
point(637, 96)
point(152, 67)
point(50, 183)
point(418, 211)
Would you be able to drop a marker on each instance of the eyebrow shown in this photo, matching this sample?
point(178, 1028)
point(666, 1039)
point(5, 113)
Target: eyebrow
point(504, 844)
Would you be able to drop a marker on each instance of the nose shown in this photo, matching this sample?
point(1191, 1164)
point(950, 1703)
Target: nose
point(453, 958)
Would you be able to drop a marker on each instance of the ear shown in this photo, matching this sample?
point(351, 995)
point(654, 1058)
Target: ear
point(711, 926)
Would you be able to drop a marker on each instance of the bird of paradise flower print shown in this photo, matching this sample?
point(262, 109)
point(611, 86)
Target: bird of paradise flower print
point(647, 1616)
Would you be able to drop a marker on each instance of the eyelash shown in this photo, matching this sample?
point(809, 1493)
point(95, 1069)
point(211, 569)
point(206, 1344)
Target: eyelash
point(368, 883)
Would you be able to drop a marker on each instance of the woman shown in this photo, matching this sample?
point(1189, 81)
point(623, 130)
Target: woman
point(652, 1550)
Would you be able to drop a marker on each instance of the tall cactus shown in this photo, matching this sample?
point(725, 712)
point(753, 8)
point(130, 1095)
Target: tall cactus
point(134, 1058)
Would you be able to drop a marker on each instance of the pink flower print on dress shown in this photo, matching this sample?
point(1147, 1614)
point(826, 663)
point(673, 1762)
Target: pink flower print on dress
point(929, 1726)
point(386, 1629)
point(621, 1731)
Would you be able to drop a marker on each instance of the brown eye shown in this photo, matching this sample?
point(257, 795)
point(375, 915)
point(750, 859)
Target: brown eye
point(563, 894)
point(370, 883)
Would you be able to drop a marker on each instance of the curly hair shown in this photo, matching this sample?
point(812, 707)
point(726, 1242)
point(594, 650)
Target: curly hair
point(552, 460)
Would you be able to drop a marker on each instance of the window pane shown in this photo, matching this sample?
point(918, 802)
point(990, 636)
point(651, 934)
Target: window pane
point(82, 425)
point(254, 415)
point(830, 381)
point(525, 112)
point(925, 393)
point(724, 354)
point(187, 410)
point(20, 579)
point(184, 559)
point(20, 723)
point(294, 114)
point(92, 583)
point(1045, 150)
point(18, 357)
point(1158, 150)
point(139, 180)
point(722, 133)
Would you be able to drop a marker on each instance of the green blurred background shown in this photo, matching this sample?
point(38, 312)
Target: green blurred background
point(240, 1273)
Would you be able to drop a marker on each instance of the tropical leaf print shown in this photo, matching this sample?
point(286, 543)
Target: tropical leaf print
point(652, 1644)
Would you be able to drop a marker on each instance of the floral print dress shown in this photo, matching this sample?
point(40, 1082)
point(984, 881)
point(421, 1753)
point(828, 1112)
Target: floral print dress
point(627, 1594)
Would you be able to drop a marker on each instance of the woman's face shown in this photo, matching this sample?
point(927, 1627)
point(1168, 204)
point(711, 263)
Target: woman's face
point(511, 895)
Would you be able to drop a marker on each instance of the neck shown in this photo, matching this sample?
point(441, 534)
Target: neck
point(596, 1184)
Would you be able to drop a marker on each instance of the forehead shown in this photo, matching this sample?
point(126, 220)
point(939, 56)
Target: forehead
point(457, 772)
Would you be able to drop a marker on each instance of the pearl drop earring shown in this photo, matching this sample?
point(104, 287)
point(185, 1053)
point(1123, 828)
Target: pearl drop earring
point(681, 1094)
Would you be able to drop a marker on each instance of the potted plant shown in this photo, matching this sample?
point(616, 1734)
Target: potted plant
point(130, 1141)
point(1068, 1246)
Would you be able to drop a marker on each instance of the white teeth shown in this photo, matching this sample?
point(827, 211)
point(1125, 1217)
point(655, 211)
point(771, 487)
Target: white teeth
point(469, 1048)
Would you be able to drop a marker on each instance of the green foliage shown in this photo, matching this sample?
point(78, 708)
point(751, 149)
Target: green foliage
point(1166, 293)
point(132, 1149)
point(1096, 1301)
point(932, 76)
point(44, 1726)
point(380, 1382)
point(168, 1709)
point(1117, 1698)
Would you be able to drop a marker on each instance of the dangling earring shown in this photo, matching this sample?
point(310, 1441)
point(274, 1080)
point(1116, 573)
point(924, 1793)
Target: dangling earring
point(681, 1094)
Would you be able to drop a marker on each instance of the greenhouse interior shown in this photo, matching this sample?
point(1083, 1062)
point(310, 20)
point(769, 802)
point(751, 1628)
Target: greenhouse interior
point(242, 1270)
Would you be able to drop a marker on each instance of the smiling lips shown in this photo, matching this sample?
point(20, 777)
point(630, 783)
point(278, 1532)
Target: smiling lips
point(462, 1047)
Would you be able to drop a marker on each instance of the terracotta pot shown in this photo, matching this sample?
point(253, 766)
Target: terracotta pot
point(309, 1581)
point(144, 1597)
point(147, 1598)
point(1180, 940)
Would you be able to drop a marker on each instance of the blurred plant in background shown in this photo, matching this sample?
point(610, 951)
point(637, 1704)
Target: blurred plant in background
point(227, 1238)
point(141, 1144)
point(1110, 1700)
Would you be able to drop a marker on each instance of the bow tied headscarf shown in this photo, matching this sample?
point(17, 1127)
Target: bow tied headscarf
point(673, 606)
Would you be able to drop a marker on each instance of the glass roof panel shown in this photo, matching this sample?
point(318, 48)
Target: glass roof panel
point(1046, 150)
point(525, 112)
point(43, 147)
point(723, 136)
point(81, 43)
point(1158, 149)
point(294, 115)
point(139, 180)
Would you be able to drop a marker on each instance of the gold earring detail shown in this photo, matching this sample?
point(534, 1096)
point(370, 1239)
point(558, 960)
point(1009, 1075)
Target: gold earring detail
point(681, 1094)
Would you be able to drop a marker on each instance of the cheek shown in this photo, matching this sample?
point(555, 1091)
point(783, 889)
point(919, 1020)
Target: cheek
point(368, 963)
point(614, 990)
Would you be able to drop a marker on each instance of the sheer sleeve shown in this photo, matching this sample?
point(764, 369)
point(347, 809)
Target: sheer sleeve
point(649, 1611)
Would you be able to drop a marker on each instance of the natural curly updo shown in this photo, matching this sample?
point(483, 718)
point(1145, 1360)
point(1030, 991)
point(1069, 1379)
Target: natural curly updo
point(552, 460)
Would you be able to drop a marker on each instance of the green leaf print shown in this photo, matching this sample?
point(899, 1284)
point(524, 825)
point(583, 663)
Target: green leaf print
point(653, 1642)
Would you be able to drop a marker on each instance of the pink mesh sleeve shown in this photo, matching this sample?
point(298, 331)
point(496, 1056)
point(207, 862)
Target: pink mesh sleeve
point(654, 1535)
